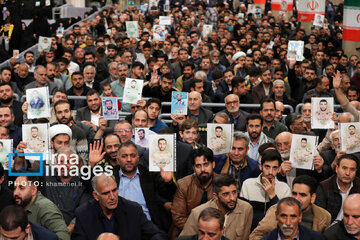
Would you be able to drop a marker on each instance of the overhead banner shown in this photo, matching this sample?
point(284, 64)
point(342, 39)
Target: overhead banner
point(282, 5)
point(351, 21)
point(308, 8)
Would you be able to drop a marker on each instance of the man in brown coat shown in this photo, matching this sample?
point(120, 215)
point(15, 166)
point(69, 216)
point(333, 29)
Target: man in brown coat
point(239, 213)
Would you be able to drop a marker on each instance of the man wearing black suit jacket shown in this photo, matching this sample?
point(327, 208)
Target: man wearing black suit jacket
point(7, 100)
point(91, 113)
point(110, 213)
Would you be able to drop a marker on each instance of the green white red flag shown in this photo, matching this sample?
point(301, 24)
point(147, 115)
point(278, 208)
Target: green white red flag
point(308, 8)
point(351, 21)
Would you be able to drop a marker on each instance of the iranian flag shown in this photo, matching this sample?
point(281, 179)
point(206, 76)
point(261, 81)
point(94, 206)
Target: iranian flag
point(259, 1)
point(282, 5)
point(308, 8)
point(351, 31)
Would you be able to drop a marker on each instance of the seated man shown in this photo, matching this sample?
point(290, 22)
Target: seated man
point(14, 224)
point(264, 191)
point(40, 210)
point(237, 161)
point(288, 216)
point(189, 132)
point(348, 228)
point(314, 217)
point(332, 192)
point(195, 189)
point(108, 212)
point(153, 107)
point(210, 224)
point(239, 213)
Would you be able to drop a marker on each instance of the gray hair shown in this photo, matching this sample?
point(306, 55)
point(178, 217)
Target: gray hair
point(122, 65)
point(115, 63)
point(239, 136)
point(223, 115)
point(200, 75)
point(88, 67)
point(214, 51)
point(279, 81)
point(37, 68)
point(332, 134)
point(289, 201)
point(94, 181)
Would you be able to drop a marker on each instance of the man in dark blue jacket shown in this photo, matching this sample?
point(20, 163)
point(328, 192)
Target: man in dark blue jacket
point(113, 214)
point(288, 216)
point(14, 224)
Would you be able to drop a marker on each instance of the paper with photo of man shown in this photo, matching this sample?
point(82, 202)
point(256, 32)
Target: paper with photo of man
point(302, 151)
point(322, 110)
point(350, 137)
point(38, 103)
point(162, 152)
point(132, 90)
point(219, 137)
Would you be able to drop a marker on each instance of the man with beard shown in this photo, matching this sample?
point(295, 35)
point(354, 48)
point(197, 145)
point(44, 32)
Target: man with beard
point(91, 80)
point(263, 89)
point(218, 142)
point(78, 141)
point(288, 216)
point(5, 77)
point(153, 107)
point(40, 210)
point(118, 86)
point(195, 189)
point(236, 115)
point(151, 190)
point(92, 113)
point(113, 76)
point(215, 64)
point(187, 75)
point(353, 138)
point(349, 227)
point(225, 198)
point(7, 100)
point(306, 114)
point(40, 75)
point(60, 189)
point(331, 156)
point(35, 143)
point(254, 131)
point(111, 146)
point(160, 89)
point(283, 144)
point(272, 127)
point(321, 89)
point(78, 89)
point(265, 190)
point(50, 74)
point(7, 120)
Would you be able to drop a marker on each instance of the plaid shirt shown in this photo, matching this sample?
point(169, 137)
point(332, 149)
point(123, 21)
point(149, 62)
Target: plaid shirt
point(235, 173)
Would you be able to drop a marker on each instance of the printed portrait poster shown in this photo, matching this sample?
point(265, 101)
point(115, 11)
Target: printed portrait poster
point(153, 5)
point(207, 29)
point(60, 31)
point(44, 44)
point(36, 138)
point(132, 90)
point(162, 152)
point(38, 103)
point(110, 108)
point(350, 137)
point(164, 20)
point(6, 147)
point(322, 110)
point(159, 32)
point(142, 137)
point(302, 151)
point(319, 20)
point(179, 103)
point(132, 29)
point(219, 137)
point(251, 9)
point(295, 50)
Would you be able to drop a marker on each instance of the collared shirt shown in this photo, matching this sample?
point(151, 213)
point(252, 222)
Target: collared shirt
point(130, 189)
point(118, 90)
point(274, 130)
point(235, 173)
point(254, 150)
point(89, 84)
point(95, 118)
point(344, 195)
point(109, 224)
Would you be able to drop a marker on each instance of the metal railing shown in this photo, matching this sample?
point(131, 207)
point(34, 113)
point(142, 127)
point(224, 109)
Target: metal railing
point(299, 106)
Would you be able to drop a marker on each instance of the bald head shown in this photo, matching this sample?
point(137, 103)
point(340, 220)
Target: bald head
point(346, 117)
point(195, 102)
point(232, 103)
point(283, 144)
point(351, 215)
point(108, 236)
point(279, 110)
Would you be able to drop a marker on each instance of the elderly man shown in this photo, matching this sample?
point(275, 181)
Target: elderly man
point(196, 111)
point(288, 216)
point(98, 215)
point(41, 80)
point(348, 228)
point(236, 115)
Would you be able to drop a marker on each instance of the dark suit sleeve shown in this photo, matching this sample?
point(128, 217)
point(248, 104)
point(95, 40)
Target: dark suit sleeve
point(79, 230)
point(148, 91)
point(320, 197)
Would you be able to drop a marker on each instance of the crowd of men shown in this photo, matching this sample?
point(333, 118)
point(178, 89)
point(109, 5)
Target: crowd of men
point(251, 192)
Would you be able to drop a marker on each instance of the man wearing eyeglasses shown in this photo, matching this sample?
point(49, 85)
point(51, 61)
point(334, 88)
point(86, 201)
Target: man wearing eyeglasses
point(237, 116)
